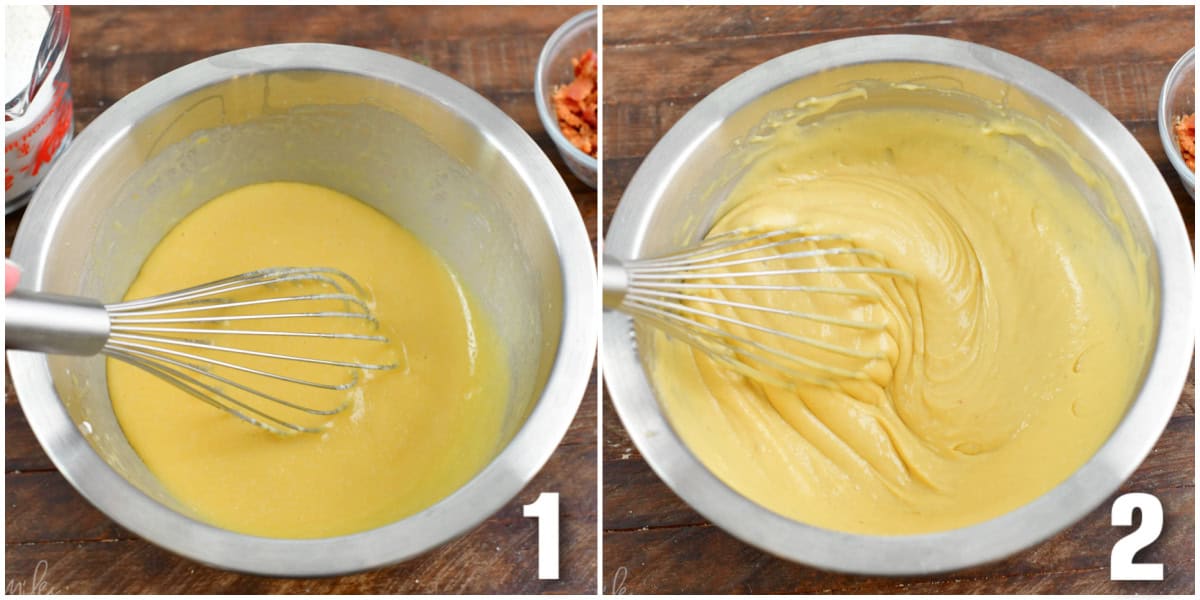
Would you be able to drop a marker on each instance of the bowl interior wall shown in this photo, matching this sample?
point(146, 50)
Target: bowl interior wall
point(407, 155)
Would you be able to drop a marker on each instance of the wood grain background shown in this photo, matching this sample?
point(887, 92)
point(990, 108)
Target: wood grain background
point(54, 538)
point(658, 62)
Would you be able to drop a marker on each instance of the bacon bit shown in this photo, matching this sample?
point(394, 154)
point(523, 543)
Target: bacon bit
point(575, 105)
point(1185, 134)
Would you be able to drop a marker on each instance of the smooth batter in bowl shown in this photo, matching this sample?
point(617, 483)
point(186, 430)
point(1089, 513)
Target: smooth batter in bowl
point(409, 436)
point(414, 145)
point(692, 181)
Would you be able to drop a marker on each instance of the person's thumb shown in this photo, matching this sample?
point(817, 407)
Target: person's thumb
point(12, 274)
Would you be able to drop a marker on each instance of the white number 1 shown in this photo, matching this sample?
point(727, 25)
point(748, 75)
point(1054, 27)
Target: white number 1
point(1122, 566)
point(545, 510)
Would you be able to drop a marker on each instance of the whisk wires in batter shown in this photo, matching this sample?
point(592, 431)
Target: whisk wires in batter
point(271, 347)
point(775, 306)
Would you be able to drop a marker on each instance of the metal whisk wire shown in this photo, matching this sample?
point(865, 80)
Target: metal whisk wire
point(180, 337)
point(678, 293)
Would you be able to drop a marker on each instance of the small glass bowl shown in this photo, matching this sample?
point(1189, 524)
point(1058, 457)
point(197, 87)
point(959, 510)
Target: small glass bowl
point(1177, 100)
point(554, 68)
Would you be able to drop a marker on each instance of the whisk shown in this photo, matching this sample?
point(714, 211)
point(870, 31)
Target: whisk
point(209, 340)
point(766, 302)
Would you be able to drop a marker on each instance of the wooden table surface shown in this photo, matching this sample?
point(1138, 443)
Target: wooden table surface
point(56, 541)
point(659, 62)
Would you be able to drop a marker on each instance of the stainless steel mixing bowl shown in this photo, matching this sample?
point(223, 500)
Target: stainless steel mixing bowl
point(677, 191)
point(415, 144)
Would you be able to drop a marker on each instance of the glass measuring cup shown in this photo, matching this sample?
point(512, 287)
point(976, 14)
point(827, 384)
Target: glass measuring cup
point(39, 115)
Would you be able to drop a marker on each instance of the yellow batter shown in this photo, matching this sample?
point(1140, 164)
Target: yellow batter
point(410, 437)
point(1008, 363)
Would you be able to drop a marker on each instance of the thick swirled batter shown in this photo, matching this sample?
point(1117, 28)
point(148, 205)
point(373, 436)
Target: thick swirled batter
point(411, 435)
point(1008, 363)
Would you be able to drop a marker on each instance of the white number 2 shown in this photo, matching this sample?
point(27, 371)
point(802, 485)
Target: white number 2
point(545, 510)
point(1122, 567)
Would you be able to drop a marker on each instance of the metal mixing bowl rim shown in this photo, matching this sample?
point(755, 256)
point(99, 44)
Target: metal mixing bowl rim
point(633, 396)
point(486, 493)
point(545, 114)
point(1166, 130)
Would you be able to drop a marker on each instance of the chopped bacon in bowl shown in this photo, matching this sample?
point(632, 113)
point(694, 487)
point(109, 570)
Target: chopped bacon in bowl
point(575, 105)
point(1185, 135)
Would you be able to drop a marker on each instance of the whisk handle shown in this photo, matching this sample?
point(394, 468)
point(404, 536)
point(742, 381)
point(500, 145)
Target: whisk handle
point(614, 279)
point(54, 324)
